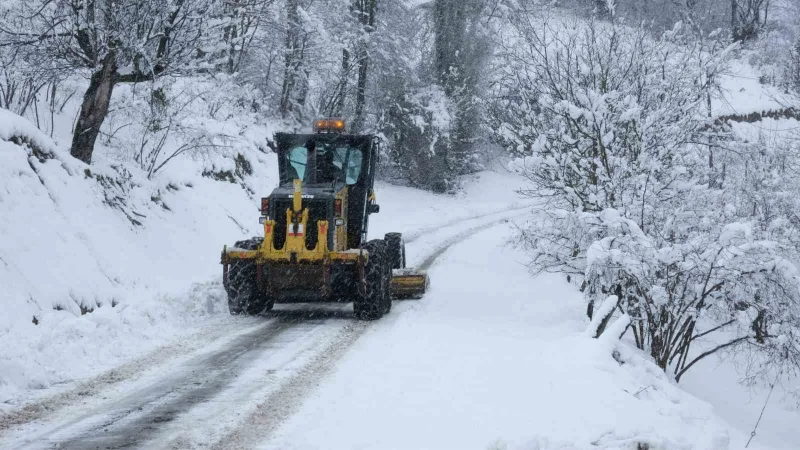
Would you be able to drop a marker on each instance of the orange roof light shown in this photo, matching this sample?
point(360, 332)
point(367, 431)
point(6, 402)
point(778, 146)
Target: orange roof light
point(329, 125)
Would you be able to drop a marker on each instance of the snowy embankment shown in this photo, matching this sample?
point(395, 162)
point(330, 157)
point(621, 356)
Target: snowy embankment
point(493, 359)
point(95, 262)
point(99, 264)
point(720, 381)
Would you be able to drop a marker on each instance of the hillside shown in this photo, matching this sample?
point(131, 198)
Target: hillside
point(599, 199)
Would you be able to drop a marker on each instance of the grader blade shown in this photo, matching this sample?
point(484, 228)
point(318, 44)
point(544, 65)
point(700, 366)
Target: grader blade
point(409, 284)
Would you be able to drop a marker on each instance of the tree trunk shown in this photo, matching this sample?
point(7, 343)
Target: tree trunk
point(601, 9)
point(342, 91)
point(361, 88)
point(293, 58)
point(94, 109)
point(367, 12)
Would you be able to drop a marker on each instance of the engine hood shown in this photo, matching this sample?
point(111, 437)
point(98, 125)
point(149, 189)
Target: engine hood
point(318, 191)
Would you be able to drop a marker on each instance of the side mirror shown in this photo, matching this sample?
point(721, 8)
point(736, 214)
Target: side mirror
point(373, 208)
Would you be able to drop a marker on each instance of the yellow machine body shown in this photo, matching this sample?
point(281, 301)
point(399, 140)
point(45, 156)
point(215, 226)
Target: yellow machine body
point(313, 265)
point(294, 249)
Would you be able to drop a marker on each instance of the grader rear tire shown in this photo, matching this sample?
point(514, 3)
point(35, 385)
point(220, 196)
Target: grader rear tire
point(372, 306)
point(244, 297)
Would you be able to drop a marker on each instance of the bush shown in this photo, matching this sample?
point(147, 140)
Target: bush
point(640, 191)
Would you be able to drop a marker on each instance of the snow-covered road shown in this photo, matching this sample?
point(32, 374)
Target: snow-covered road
point(231, 389)
point(493, 359)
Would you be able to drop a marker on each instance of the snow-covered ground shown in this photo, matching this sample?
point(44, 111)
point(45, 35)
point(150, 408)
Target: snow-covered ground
point(493, 359)
point(65, 251)
point(742, 92)
point(490, 359)
point(75, 239)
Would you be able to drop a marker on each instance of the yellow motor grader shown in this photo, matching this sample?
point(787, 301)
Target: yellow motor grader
point(315, 246)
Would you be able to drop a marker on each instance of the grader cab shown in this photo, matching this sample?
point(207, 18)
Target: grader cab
point(315, 246)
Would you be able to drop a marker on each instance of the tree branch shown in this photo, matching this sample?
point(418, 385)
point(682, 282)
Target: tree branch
point(707, 353)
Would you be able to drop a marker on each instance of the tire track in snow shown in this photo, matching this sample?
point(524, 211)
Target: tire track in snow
point(464, 235)
point(416, 234)
point(144, 413)
point(43, 408)
point(84, 390)
point(282, 404)
point(138, 416)
point(287, 400)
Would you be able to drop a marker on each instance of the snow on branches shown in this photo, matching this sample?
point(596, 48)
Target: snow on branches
point(644, 198)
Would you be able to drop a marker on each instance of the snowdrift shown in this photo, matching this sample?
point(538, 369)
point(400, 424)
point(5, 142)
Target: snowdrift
point(95, 259)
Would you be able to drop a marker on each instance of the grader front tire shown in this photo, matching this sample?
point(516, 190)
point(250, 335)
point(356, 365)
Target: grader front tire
point(396, 250)
point(372, 306)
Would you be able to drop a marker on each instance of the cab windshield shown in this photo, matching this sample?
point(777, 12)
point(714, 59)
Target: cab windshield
point(334, 162)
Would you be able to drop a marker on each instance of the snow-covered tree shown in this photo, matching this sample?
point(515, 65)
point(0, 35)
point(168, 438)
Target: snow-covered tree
point(112, 41)
point(638, 197)
point(431, 118)
point(748, 18)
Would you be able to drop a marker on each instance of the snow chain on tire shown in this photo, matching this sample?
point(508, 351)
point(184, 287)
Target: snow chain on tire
point(373, 306)
point(396, 250)
point(241, 286)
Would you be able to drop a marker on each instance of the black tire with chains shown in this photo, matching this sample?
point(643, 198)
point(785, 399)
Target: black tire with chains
point(241, 286)
point(396, 250)
point(373, 305)
point(387, 285)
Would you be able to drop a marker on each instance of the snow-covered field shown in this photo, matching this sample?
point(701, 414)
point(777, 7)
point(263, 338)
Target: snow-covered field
point(741, 91)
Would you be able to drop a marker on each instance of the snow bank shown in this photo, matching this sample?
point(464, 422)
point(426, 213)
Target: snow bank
point(95, 261)
point(16, 128)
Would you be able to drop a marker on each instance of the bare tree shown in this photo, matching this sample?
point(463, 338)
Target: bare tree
point(365, 11)
point(748, 17)
point(295, 76)
point(20, 81)
point(117, 41)
point(242, 22)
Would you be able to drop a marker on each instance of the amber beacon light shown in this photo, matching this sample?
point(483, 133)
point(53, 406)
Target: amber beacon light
point(329, 126)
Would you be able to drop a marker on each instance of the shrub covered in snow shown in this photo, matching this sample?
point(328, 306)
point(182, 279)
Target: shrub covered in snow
point(645, 199)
